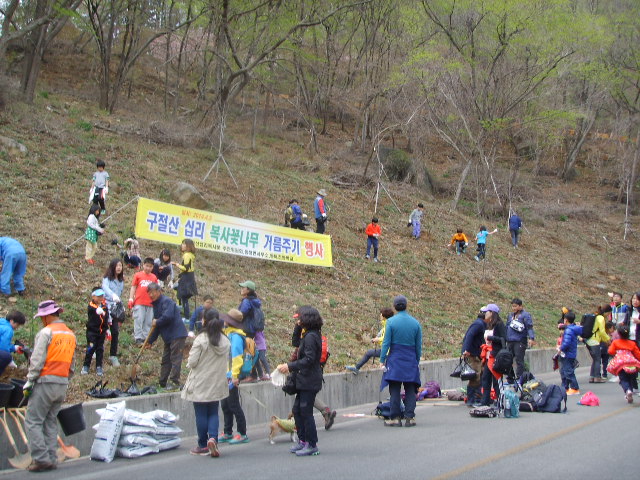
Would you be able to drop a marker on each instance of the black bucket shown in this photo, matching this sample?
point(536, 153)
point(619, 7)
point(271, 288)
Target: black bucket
point(72, 419)
point(17, 393)
point(5, 393)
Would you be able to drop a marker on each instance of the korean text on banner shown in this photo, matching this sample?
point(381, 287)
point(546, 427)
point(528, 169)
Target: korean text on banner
point(169, 223)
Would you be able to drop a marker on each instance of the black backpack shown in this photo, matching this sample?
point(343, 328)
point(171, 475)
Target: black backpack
point(504, 361)
point(254, 322)
point(587, 324)
point(550, 400)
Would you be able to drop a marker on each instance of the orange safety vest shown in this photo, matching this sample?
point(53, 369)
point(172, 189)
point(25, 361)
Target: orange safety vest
point(60, 351)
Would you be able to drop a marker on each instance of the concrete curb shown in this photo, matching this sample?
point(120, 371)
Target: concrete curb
point(262, 400)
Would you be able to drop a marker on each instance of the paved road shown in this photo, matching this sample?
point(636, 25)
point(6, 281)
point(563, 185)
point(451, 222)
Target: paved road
point(586, 443)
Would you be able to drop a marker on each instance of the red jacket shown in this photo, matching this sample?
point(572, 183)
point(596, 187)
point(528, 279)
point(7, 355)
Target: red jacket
point(621, 344)
point(372, 229)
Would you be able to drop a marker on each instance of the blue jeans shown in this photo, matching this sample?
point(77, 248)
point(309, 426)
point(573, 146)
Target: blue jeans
point(374, 352)
point(207, 421)
point(482, 250)
point(410, 390)
point(372, 241)
point(568, 373)
point(514, 236)
point(13, 265)
point(303, 415)
point(628, 381)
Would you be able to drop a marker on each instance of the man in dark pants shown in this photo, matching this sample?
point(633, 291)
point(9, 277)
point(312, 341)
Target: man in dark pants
point(167, 323)
point(520, 334)
point(400, 354)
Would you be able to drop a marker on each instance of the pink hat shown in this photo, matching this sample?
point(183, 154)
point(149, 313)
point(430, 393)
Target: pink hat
point(48, 307)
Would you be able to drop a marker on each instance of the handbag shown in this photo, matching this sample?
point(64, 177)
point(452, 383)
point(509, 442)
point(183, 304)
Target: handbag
point(289, 386)
point(458, 370)
point(468, 373)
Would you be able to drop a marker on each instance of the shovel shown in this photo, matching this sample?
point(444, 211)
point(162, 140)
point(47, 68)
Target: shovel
point(134, 368)
point(14, 415)
point(19, 461)
point(65, 451)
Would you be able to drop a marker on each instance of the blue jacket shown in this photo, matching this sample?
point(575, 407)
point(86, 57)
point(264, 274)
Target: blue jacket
point(570, 340)
point(297, 213)
point(514, 222)
point(10, 246)
point(513, 335)
point(196, 317)
point(319, 207)
point(169, 324)
point(402, 329)
point(474, 338)
point(6, 336)
point(112, 287)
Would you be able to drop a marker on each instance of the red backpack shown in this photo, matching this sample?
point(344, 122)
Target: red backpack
point(324, 355)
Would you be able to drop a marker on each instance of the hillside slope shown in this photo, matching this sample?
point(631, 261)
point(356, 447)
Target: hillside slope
point(563, 259)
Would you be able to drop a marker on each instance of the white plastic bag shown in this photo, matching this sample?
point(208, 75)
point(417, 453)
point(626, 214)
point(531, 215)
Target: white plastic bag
point(278, 378)
point(167, 431)
point(131, 417)
point(137, 451)
point(137, 430)
point(162, 416)
point(136, 440)
point(169, 443)
point(106, 440)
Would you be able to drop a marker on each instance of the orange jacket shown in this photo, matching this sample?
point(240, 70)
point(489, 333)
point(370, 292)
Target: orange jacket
point(372, 229)
point(459, 237)
point(60, 351)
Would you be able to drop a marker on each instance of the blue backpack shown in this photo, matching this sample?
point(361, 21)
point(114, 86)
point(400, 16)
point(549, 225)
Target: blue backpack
point(550, 399)
point(384, 410)
point(509, 403)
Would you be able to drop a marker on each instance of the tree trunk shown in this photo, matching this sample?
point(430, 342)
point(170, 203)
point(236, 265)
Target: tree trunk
point(463, 177)
point(584, 127)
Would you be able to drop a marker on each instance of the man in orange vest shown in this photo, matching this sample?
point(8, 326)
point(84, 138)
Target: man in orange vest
point(50, 368)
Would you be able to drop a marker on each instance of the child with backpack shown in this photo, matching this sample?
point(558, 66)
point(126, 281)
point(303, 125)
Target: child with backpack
point(97, 330)
point(94, 229)
point(481, 240)
point(231, 407)
point(568, 351)
point(626, 362)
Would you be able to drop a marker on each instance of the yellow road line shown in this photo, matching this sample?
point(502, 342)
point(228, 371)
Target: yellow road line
point(527, 446)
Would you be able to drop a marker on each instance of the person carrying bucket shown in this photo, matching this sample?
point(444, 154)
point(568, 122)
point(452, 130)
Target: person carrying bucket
point(50, 368)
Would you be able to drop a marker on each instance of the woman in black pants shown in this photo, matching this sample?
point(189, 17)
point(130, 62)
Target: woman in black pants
point(308, 380)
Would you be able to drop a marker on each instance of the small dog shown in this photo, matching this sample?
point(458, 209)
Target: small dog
point(282, 425)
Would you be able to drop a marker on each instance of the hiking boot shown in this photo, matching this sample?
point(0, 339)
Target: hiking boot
point(329, 417)
point(225, 438)
point(41, 466)
point(307, 451)
point(352, 369)
point(199, 451)
point(572, 391)
point(297, 447)
point(410, 422)
point(393, 422)
point(239, 439)
point(84, 371)
point(629, 396)
point(114, 361)
point(99, 371)
point(212, 447)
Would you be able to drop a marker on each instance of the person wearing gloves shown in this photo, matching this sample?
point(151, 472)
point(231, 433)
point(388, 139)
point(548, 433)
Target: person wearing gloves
point(97, 331)
point(231, 407)
point(460, 241)
point(520, 334)
point(320, 210)
point(50, 369)
point(113, 285)
point(167, 323)
point(139, 301)
point(373, 232)
point(14, 265)
point(13, 321)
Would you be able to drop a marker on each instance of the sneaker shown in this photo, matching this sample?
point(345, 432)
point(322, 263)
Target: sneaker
point(410, 422)
point(99, 371)
point(212, 447)
point(84, 371)
point(572, 391)
point(307, 451)
point(114, 361)
point(199, 451)
point(225, 438)
point(367, 257)
point(592, 380)
point(376, 259)
point(629, 396)
point(239, 439)
point(599, 380)
point(329, 417)
point(352, 369)
point(172, 387)
point(476, 258)
point(41, 466)
point(613, 379)
point(297, 447)
point(393, 422)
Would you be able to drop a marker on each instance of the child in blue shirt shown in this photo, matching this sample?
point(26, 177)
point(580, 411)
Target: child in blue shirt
point(481, 240)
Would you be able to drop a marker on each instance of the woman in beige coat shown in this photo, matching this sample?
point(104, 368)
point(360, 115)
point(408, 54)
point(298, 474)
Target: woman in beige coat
point(207, 382)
